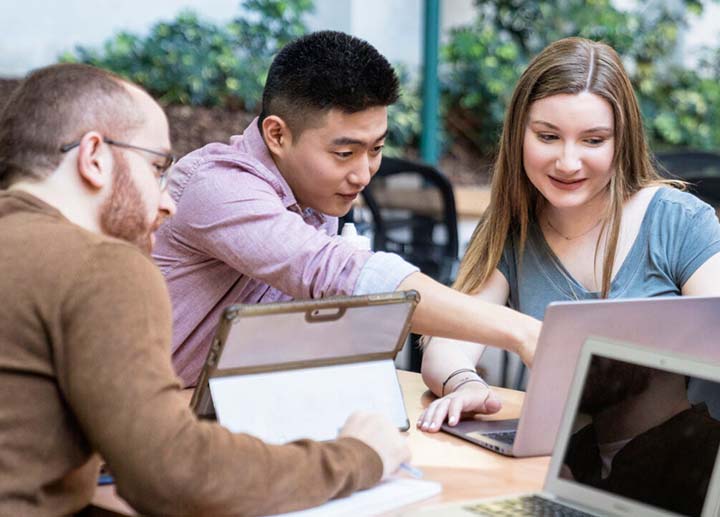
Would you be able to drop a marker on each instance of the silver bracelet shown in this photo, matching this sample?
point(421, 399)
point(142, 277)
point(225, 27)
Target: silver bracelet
point(470, 380)
point(453, 374)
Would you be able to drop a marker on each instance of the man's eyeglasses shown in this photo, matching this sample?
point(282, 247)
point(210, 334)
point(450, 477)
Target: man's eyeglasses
point(163, 169)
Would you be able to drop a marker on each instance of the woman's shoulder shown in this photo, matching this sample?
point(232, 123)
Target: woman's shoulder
point(676, 200)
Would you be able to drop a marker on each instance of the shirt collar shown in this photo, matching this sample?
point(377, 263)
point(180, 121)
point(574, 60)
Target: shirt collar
point(255, 145)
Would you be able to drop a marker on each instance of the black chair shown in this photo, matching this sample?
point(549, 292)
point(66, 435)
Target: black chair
point(412, 212)
point(699, 168)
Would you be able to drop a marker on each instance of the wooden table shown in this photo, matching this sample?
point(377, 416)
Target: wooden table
point(465, 470)
point(470, 202)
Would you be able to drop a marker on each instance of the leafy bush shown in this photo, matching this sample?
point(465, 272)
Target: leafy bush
point(404, 122)
point(485, 60)
point(191, 61)
point(682, 106)
point(484, 65)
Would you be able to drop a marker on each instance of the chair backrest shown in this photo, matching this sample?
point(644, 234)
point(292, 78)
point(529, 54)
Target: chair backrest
point(414, 215)
point(700, 168)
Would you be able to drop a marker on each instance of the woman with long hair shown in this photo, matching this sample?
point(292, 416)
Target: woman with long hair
point(577, 212)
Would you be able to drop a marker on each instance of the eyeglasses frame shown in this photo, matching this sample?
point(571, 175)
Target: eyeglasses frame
point(163, 175)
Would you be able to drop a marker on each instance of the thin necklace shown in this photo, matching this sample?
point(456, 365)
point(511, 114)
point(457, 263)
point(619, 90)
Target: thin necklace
point(547, 220)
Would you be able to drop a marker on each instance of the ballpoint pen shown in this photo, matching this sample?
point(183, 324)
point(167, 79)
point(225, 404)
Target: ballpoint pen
point(413, 471)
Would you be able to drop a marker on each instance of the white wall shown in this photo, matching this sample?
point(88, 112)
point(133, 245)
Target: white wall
point(703, 30)
point(394, 27)
point(34, 33)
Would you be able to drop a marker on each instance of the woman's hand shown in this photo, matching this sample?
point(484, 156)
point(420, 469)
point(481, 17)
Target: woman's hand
point(470, 397)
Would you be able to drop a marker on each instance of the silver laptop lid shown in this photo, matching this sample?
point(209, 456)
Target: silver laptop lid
point(634, 440)
point(681, 323)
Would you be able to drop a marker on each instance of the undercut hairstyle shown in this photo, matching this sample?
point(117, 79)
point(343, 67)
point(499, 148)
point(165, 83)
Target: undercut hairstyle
point(322, 71)
point(57, 105)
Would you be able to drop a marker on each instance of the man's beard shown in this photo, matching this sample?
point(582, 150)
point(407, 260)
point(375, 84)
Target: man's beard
point(609, 382)
point(124, 214)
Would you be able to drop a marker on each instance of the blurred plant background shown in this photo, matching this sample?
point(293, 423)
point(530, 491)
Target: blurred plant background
point(195, 62)
point(192, 62)
point(679, 105)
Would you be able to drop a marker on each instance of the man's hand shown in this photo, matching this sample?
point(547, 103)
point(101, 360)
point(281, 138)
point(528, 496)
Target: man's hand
point(378, 433)
point(475, 397)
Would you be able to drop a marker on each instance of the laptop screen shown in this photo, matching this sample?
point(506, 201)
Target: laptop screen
point(646, 434)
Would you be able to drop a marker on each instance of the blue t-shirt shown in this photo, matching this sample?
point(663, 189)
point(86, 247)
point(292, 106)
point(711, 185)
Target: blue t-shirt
point(677, 235)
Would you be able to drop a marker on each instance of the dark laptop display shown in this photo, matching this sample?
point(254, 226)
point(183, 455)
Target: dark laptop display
point(640, 433)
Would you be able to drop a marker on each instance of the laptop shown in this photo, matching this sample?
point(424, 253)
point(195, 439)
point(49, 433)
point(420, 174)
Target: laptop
point(685, 324)
point(632, 441)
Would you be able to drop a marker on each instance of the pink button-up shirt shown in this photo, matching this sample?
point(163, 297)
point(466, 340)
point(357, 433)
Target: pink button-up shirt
point(239, 236)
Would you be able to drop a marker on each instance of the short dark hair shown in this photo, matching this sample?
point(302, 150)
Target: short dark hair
point(326, 70)
point(54, 106)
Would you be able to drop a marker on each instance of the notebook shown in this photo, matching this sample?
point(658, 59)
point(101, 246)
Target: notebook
point(386, 496)
point(671, 323)
point(633, 440)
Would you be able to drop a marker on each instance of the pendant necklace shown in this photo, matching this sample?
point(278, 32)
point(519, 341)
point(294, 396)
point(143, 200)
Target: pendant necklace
point(547, 220)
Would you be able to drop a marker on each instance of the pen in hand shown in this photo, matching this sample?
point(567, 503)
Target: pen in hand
point(413, 471)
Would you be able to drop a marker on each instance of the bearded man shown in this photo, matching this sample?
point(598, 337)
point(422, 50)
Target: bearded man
point(86, 326)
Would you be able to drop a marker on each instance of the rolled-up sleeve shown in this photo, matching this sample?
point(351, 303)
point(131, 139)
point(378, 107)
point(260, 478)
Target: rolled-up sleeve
point(383, 272)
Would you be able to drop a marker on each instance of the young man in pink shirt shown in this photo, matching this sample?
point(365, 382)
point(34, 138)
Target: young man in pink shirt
point(257, 218)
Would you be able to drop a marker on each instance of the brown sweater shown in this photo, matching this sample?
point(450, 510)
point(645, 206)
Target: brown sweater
point(85, 367)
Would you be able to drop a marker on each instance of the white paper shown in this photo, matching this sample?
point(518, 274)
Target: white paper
point(390, 494)
point(282, 406)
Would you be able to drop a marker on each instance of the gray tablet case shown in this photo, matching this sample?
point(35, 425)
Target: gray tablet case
point(290, 370)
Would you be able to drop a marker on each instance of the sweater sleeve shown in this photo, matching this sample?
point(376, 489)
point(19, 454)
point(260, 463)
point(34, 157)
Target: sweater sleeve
point(115, 373)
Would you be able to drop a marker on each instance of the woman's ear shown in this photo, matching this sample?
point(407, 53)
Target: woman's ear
point(276, 134)
point(94, 163)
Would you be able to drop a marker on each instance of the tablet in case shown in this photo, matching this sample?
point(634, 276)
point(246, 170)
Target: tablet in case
point(291, 370)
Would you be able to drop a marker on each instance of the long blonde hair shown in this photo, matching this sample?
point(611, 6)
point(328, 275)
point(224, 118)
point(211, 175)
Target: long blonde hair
point(567, 66)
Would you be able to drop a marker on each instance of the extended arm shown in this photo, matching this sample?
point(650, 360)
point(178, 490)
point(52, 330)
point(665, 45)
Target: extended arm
point(444, 312)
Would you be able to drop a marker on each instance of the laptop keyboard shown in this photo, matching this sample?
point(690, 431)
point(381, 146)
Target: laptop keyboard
point(529, 505)
point(502, 436)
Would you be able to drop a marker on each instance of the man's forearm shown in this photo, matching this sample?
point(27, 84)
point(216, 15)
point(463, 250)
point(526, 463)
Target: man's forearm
point(445, 312)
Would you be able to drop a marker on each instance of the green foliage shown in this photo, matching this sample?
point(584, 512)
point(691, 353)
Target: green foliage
point(404, 123)
point(191, 61)
point(484, 66)
point(681, 110)
point(257, 41)
point(485, 60)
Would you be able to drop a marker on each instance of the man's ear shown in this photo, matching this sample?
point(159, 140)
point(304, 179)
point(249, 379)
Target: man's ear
point(94, 163)
point(276, 134)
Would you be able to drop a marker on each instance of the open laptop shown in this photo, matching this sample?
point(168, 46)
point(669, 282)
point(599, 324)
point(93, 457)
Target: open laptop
point(632, 441)
point(685, 324)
